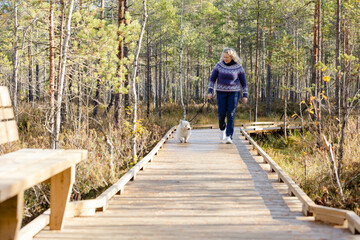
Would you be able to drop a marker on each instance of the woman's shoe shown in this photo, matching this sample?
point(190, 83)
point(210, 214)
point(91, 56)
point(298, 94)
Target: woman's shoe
point(222, 135)
point(228, 140)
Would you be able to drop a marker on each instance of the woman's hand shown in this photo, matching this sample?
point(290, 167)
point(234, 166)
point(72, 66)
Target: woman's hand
point(210, 96)
point(244, 100)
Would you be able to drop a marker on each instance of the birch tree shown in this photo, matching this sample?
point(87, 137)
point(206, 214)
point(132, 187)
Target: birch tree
point(15, 71)
point(52, 74)
point(62, 76)
point(180, 59)
point(133, 83)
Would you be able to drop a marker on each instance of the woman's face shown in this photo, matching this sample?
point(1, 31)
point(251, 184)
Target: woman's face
point(227, 58)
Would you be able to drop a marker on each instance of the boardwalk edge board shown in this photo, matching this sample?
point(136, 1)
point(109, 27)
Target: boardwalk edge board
point(90, 206)
point(321, 213)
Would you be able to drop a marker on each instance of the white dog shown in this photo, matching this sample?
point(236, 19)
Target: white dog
point(183, 131)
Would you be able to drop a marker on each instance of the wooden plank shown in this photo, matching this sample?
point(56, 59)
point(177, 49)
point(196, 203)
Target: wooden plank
point(262, 129)
point(82, 208)
point(22, 159)
point(6, 114)
point(25, 158)
point(5, 100)
point(353, 222)
point(257, 123)
point(13, 182)
point(329, 215)
point(35, 226)
point(202, 126)
point(60, 190)
point(331, 219)
point(11, 212)
point(8, 132)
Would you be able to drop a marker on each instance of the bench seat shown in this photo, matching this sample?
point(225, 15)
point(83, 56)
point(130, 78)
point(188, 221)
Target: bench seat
point(25, 168)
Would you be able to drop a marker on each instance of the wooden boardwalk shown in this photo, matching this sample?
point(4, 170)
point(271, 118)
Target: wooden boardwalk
point(204, 189)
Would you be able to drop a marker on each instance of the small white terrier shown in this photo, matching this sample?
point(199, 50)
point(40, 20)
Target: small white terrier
point(183, 131)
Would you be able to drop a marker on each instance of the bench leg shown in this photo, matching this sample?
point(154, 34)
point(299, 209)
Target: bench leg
point(60, 190)
point(11, 212)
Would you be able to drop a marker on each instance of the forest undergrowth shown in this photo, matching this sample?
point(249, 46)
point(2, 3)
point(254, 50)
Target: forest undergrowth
point(309, 166)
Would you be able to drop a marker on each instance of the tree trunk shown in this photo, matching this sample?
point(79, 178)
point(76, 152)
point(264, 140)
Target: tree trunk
point(62, 75)
point(134, 94)
point(160, 75)
point(292, 92)
point(180, 59)
point(345, 93)
point(285, 99)
point(315, 59)
point(187, 80)
point(79, 102)
point(119, 69)
point(126, 54)
point(15, 63)
point(63, 5)
point(337, 52)
point(30, 70)
point(263, 66)
point(52, 74)
point(102, 6)
point(156, 79)
point(197, 96)
point(268, 85)
point(166, 78)
point(37, 72)
point(239, 28)
point(319, 73)
point(315, 72)
point(148, 77)
point(251, 61)
point(37, 79)
point(296, 63)
point(257, 64)
point(98, 80)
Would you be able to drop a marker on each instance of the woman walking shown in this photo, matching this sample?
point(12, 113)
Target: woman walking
point(229, 75)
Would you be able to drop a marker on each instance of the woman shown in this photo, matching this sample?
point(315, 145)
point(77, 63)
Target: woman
point(229, 74)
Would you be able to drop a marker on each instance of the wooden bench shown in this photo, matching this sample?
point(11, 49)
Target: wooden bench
point(25, 168)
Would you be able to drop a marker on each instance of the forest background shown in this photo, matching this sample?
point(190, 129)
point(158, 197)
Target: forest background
point(76, 82)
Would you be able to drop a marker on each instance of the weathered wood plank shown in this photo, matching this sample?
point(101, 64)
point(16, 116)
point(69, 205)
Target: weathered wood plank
point(31, 229)
point(4, 97)
point(14, 182)
point(353, 222)
point(6, 114)
point(8, 132)
point(23, 159)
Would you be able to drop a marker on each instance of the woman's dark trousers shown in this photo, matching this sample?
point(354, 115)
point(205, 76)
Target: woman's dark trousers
point(227, 103)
